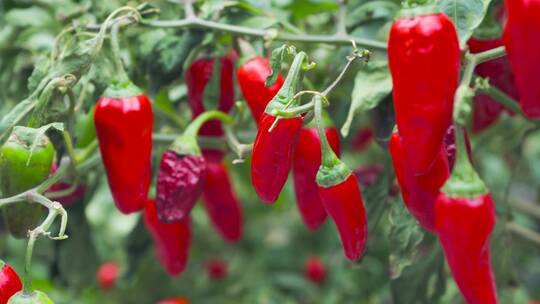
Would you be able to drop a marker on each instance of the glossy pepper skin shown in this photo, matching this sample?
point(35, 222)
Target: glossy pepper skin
point(124, 130)
point(419, 192)
point(21, 169)
point(464, 226)
point(171, 241)
point(273, 151)
point(10, 283)
point(306, 163)
point(251, 78)
point(486, 110)
point(423, 95)
point(34, 297)
point(521, 39)
point(221, 204)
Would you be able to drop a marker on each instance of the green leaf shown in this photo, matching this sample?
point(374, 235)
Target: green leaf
point(29, 17)
point(278, 55)
point(14, 117)
point(371, 85)
point(466, 14)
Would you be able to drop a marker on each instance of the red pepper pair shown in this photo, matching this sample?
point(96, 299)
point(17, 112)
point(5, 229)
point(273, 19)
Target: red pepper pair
point(521, 38)
point(424, 58)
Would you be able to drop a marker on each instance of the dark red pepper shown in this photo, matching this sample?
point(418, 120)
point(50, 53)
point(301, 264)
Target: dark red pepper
point(522, 41)
point(221, 203)
point(68, 199)
point(124, 122)
point(172, 241)
point(362, 139)
point(175, 301)
point(251, 78)
point(182, 170)
point(217, 268)
point(306, 163)
point(424, 58)
point(273, 149)
point(367, 175)
point(419, 192)
point(464, 221)
point(10, 283)
point(315, 270)
point(486, 110)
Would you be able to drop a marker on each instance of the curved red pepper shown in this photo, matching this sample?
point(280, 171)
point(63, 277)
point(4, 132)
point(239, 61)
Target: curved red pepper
point(306, 163)
point(464, 226)
point(344, 204)
point(486, 110)
point(273, 150)
point(251, 78)
point(521, 38)
point(124, 130)
point(424, 58)
point(221, 203)
point(172, 241)
point(10, 283)
point(419, 192)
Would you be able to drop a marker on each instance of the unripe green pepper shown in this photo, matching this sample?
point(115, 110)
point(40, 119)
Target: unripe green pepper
point(34, 297)
point(22, 168)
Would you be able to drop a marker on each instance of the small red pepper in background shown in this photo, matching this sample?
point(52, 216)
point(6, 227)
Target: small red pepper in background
point(424, 58)
point(182, 170)
point(486, 110)
point(175, 301)
point(172, 241)
point(217, 269)
point(10, 283)
point(124, 122)
point(314, 270)
point(367, 175)
point(70, 199)
point(273, 150)
point(340, 195)
point(362, 139)
point(419, 192)
point(464, 221)
point(306, 163)
point(251, 78)
point(107, 275)
point(221, 203)
point(522, 41)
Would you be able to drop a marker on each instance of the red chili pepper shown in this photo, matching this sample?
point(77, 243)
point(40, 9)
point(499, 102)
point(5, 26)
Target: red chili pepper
point(182, 170)
point(340, 195)
point(66, 200)
point(107, 275)
point(315, 270)
point(251, 77)
point(419, 192)
point(521, 38)
point(10, 283)
point(172, 241)
point(464, 221)
point(306, 163)
point(221, 203)
point(273, 150)
point(175, 301)
point(486, 110)
point(217, 269)
point(367, 175)
point(424, 58)
point(124, 122)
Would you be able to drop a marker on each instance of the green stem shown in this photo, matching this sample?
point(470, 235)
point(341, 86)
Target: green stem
point(342, 17)
point(69, 147)
point(241, 150)
point(502, 98)
point(490, 54)
point(524, 232)
point(293, 112)
point(121, 75)
point(329, 158)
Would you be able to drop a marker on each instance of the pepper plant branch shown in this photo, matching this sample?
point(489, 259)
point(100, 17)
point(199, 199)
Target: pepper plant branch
point(527, 207)
point(342, 17)
point(490, 55)
point(501, 97)
point(524, 232)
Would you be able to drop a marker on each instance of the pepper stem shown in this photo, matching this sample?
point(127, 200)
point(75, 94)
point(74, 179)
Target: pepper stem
point(121, 75)
point(328, 157)
point(290, 86)
point(186, 144)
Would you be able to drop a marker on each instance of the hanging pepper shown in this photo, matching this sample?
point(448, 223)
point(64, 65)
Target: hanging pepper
point(486, 110)
point(464, 221)
point(107, 275)
point(340, 195)
point(34, 297)
point(419, 192)
point(10, 283)
point(198, 77)
point(273, 150)
point(306, 163)
point(315, 271)
point(124, 121)
point(25, 161)
point(251, 77)
point(182, 170)
point(424, 58)
point(172, 241)
point(221, 203)
point(521, 33)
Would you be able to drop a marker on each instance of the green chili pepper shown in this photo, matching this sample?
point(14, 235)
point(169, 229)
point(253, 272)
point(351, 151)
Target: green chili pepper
point(25, 162)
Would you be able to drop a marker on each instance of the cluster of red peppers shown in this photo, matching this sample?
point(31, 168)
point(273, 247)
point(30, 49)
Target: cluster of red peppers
point(457, 207)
